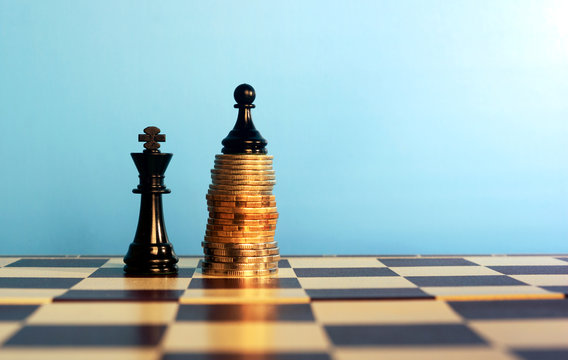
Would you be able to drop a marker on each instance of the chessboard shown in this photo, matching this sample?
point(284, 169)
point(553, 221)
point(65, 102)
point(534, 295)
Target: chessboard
point(36, 280)
point(340, 307)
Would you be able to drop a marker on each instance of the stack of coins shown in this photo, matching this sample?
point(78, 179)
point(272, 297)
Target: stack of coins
point(239, 239)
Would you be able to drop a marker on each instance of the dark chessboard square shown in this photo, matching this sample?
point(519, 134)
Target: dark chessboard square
point(344, 272)
point(557, 289)
point(38, 283)
point(16, 312)
point(402, 335)
point(247, 356)
point(511, 309)
point(483, 280)
point(531, 270)
point(542, 354)
point(283, 264)
point(354, 294)
point(63, 262)
point(121, 295)
point(119, 273)
point(427, 262)
point(563, 258)
point(108, 273)
point(245, 283)
point(116, 335)
point(246, 312)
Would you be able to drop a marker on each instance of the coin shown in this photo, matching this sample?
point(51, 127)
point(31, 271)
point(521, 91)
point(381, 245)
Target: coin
point(241, 228)
point(240, 253)
point(242, 222)
point(238, 266)
point(237, 192)
point(241, 204)
point(259, 167)
point(244, 182)
point(243, 177)
point(232, 216)
point(242, 259)
point(244, 156)
point(240, 246)
point(241, 172)
point(243, 210)
point(231, 234)
point(243, 162)
point(242, 187)
point(239, 197)
point(239, 240)
point(239, 273)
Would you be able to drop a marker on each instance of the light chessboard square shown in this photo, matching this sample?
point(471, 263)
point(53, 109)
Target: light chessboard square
point(245, 337)
point(384, 312)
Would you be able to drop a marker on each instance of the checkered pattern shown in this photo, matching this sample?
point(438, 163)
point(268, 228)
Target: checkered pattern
point(300, 280)
point(486, 307)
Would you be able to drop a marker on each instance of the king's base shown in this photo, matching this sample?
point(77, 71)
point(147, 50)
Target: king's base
point(150, 260)
point(151, 270)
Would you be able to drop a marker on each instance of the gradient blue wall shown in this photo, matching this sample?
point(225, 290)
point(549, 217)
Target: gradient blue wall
point(396, 126)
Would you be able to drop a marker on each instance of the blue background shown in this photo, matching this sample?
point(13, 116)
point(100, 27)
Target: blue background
point(397, 126)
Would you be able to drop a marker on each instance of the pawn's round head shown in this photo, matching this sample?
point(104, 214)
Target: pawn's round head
point(244, 94)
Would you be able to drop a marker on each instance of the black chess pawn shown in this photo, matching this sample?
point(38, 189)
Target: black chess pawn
point(244, 138)
point(151, 253)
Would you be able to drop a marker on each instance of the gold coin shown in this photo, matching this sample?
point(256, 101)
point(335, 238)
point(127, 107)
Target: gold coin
point(242, 172)
point(242, 210)
point(243, 182)
point(232, 234)
point(241, 253)
point(242, 246)
point(241, 222)
point(243, 162)
point(242, 187)
point(240, 228)
point(240, 192)
point(252, 198)
point(243, 156)
point(239, 240)
point(242, 259)
point(238, 266)
point(232, 216)
point(240, 273)
point(217, 177)
point(243, 167)
point(241, 204)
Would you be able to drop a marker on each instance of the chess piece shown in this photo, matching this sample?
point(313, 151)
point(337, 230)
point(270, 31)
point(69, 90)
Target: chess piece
point(244, 138)
point(151, 253)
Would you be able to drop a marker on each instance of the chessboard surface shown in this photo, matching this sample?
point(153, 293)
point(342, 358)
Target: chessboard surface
point(341, 308)
point(37, 280)
point(340, 330)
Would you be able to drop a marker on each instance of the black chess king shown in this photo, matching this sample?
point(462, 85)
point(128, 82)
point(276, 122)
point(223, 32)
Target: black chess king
point(151, 253)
